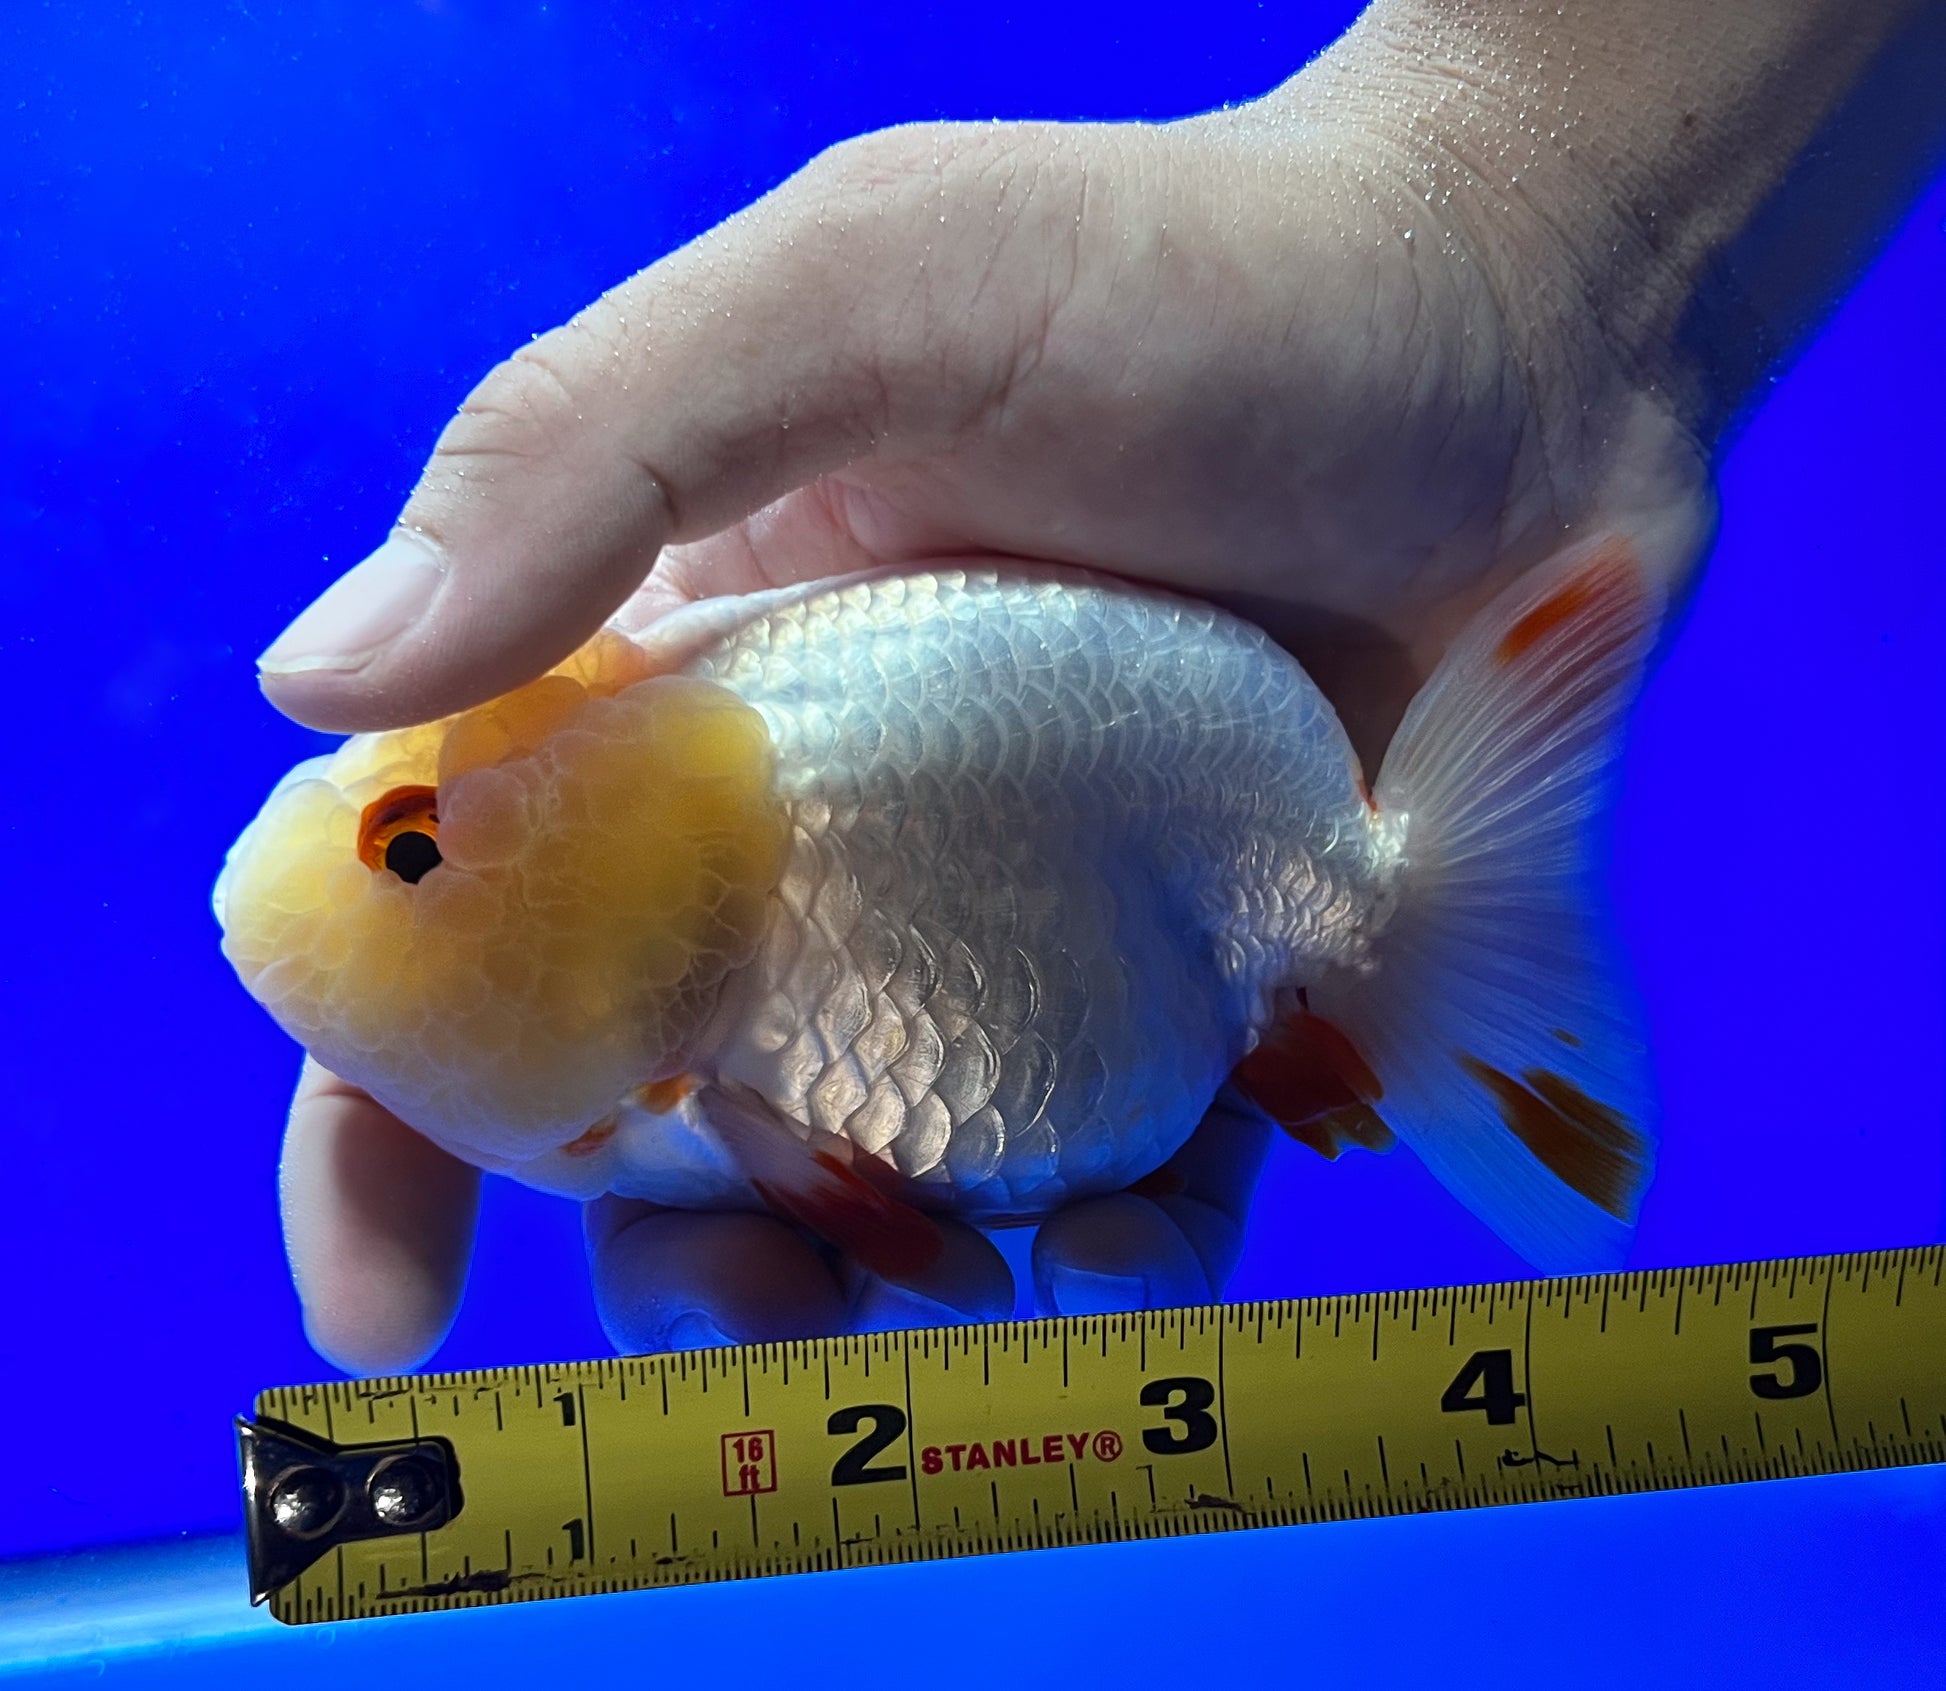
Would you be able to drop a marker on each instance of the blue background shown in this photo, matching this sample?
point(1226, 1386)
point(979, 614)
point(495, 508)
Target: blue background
point(251, 257)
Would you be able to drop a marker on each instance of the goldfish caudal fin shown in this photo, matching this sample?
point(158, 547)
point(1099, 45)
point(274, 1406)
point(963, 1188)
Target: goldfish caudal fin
point(1498, 1022)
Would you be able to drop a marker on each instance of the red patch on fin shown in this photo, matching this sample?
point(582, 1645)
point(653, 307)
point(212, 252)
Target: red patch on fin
point(884, 1234)
point(1581, 1142)
point(1592, 593)
point(1309, 1077)
point(1334, 1134)
point(825, 1183)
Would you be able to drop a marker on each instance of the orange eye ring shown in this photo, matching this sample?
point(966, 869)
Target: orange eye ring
point(399, 832)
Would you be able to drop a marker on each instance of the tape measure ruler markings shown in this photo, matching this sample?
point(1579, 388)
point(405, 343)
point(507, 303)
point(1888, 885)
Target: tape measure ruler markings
point(398, 1495)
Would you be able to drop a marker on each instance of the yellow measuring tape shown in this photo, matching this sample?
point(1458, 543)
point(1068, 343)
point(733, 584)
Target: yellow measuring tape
point(373, 1497)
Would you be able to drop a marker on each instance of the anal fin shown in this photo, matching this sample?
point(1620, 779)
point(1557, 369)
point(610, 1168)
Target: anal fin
point(1309, 1078)
point(1338, 1131)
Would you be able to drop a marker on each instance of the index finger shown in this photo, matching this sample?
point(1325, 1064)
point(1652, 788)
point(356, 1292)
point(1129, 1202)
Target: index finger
point(378, 1225)
point(775, 349)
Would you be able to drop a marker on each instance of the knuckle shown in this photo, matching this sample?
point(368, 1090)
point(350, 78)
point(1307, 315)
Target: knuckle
point(523, 408)
point(941, 167)
point(867, 166)
point(964, 224)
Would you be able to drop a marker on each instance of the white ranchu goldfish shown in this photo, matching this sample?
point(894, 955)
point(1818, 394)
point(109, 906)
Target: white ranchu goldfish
point(956, 889)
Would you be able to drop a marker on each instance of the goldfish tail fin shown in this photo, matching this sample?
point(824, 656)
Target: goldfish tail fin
point(1497, 1018)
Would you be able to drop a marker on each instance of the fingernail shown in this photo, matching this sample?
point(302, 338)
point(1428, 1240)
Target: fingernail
point(1080, 1291)
point(695, 1331)
point(368, 606)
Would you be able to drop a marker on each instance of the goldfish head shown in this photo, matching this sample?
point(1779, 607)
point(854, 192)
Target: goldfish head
point(500, 923)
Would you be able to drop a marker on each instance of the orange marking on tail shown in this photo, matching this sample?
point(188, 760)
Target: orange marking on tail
point(1309, 1077)
point(1584, 1143)
point(1612, 571)
point(884, 1234)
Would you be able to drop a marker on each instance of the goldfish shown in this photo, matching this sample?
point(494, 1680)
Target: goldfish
point(964, 889)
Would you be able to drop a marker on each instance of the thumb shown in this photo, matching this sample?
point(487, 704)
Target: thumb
point(859, 308)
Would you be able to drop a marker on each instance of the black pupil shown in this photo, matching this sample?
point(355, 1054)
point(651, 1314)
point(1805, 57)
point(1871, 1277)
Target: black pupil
point(412, 855)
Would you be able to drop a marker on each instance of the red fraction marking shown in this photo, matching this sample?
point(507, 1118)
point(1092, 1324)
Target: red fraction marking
point(749, 1463)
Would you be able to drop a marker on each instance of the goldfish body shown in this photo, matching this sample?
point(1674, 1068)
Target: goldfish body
point(960, 890)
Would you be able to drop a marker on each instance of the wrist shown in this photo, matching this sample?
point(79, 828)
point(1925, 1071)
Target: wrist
point(1635, 171)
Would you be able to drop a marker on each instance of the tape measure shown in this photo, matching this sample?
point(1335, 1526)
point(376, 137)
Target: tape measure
point(438, 1491)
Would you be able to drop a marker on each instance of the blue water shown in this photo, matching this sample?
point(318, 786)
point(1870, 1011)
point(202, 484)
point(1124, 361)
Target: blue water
point(1799, 1586)
point(250, 258)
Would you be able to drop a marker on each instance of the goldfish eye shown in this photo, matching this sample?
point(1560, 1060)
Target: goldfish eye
point(411, 855)
point(400, 832)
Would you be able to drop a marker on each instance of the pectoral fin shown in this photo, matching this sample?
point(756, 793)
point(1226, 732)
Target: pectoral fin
point(825, 1184)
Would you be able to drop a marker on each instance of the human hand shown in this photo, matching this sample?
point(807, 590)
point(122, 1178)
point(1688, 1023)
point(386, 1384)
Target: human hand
point(1242, 356)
